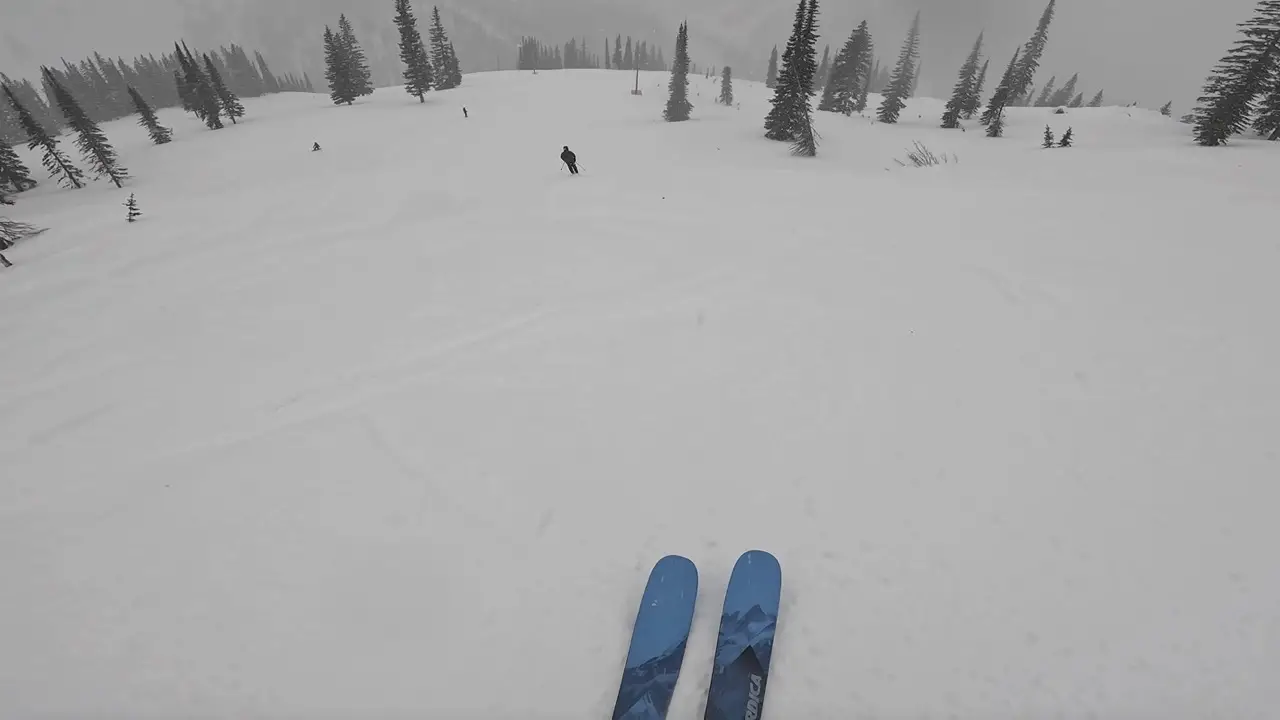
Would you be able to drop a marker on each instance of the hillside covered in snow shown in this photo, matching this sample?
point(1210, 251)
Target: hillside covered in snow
point(396, 429)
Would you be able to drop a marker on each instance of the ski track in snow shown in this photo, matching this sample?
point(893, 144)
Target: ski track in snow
point(355, 433)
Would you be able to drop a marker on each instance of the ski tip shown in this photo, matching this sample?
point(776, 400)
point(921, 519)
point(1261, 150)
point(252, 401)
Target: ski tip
point(671, 561)
point(758, 558)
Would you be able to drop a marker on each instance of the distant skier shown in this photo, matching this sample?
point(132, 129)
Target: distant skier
point(315, 147)
point(570, 159)
point(465, 114)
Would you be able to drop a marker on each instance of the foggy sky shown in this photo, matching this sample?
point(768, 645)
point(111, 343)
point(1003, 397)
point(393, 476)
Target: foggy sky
point(1150, 51)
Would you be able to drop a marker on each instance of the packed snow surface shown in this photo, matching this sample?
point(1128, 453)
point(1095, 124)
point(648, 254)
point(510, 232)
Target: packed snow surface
point(398, 428)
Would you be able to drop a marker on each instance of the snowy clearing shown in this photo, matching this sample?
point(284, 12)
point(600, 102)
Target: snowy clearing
point(397, 429)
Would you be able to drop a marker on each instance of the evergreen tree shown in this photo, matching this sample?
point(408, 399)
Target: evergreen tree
point(1003, 93)
point(1026, 71)
point(13, 173)
point(806, 141)
point(1097, 100)
point(678, 106)
point(861, 104)
point(358, 66)
point(726, 86)
point(439, 51)
point(1047, 92)
point(1048, 137)
point(1064, 95)
point(608, 59)
point(996, 127)
point(453, 77)
point(134, 212)
point(617, 53)
point(417, 65)
point(966, 89)
point(824, 70)
point(1268, 121)
point(852, 94)
point(337, 70)
point(1167, 109)
point(780, 122)
point(1066, 139)
point(269, 80)
point(147, 119)
point(1077, 101)
point(628, 62)
point(771, 77)
point(227, 100)
point(1238, 79)
point(89, 137)
point(903, 76)
point(182, 79)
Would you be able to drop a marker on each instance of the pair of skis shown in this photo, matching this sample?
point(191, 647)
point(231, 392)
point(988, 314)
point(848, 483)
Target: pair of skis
point(743, 648)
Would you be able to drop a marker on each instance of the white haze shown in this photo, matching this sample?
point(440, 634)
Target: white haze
point(1149, 51)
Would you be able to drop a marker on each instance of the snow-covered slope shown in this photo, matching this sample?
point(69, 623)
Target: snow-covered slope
point(396, 429)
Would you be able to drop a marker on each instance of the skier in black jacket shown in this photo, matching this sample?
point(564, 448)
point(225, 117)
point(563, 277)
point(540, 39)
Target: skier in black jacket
point(570, 159)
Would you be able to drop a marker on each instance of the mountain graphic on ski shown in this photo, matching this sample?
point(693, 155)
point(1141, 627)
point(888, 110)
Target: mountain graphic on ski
point(658, 641)
point(740, 672)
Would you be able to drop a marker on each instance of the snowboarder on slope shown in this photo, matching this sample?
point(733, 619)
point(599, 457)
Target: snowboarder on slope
point(570, 159)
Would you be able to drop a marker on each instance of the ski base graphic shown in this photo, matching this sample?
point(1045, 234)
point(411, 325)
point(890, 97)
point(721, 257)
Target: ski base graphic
point(658, 641)
point(740, 673)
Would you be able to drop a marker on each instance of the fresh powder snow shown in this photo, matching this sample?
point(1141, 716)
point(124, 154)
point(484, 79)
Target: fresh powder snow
point(398, 428)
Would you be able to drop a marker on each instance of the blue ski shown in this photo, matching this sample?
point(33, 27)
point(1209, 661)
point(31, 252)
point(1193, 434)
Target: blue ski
point(740, 673)
point(658, 641)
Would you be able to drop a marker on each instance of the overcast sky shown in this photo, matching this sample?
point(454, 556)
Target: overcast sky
point(1145, 50)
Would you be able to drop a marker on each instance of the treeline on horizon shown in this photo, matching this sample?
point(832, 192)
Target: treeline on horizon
point(101, 86)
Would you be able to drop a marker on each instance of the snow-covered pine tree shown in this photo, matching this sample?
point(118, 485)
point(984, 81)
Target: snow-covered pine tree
point(726, 86)
point(417, 64)
point(1047, 92)
point(147, 119)
point(1268, 120)
point(132, 205)
point(779, 123)
point(823, 74)
point(337, 70)
point(1048, 137)
point(861, 53)
point(227, 100)
point(182, 79)
point(678, 105)
point(1167, 109)
point(806, 139)
point(966, 87)
point(1066, 139)
point(361, 77)
point(13, 173)
point(1003, 92)
point(1064, 95)
point(974, 101)
point(1246, 72)
point(771, 77)
point(1097, 100)
point(93, 144)
point(453, 78)
point(439, 50)
point(903, 76)
point(1031, 54)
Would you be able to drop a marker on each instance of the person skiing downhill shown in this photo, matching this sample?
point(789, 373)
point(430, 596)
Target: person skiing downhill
point(570, 159)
